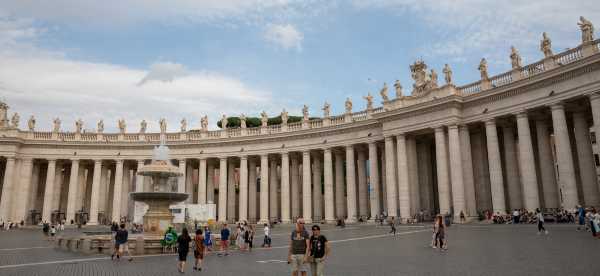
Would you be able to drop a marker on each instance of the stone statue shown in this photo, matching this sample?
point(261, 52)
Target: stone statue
point(122, 125)
point(3, 114)
point(224, 122)
point(14, 121)
point(264, 119)
point(326, 110)
point(284, 117)
point(243, 120)
point(546, 45)
point(434, 79)
point(78, 125)
point(183, 125)
point(398, 87)
point(447, 74)
point(163, 125)
point(369, 99)
point(100, 126)
point(348, 105)
point(483, 69)
point(56, 125)
point(31, 123)
point(384, 92)
point(515, 58)
point(143, 126)
point(305, 113)
point(587, 30)
point(204, 122)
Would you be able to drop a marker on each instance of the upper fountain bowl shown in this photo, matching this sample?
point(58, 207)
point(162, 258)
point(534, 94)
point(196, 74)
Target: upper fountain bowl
point(160, 168)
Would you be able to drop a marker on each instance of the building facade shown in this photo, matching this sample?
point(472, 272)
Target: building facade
point(520, 139)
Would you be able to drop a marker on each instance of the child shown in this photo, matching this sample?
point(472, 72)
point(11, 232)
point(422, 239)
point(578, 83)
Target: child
point(52, 232)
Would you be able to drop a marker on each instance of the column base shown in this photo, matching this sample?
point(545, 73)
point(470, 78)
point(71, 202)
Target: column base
point(92, 223)
point(330, 221)
point(350, 220)
point(286, 221)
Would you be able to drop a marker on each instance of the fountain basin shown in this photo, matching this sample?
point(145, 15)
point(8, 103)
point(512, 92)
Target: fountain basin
point(158, 217)
point(170, 197)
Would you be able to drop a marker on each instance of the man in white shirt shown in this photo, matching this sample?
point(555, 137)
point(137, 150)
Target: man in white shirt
point(267, 240)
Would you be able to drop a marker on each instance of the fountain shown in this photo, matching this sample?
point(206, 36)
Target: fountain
point(158, 217)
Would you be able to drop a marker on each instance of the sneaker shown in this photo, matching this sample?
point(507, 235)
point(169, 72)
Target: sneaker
point(434, 247)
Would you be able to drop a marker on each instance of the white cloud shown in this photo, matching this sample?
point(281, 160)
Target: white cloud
point(285, 36)
point(164, 71)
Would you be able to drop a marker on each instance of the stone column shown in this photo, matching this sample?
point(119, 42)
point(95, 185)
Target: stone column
point(72, 195)
point(403, 185)
point(48, 191)
point(202, 181)
point(285, 188)
point(456, 172)
point(139, 187)
point(425, 175)
point(328, 174)
point(189, 185)
point(513, 184)
point(467, 166)
point(264, 189)
point(547, 170)
point(231, 190)
point(566, 169)
point(116, 210)
point(390, 177)
point(306, 189)
point(350, 184)
point(21, 205)
point(273, 212)
point(295, 191)
point(7, 189)
point(210, 183)
point(363, 194)
point(373, 180)
point(182, 178)
point(35, 180)
point(81, 187)
point(243, 188)
point(222, 214)
point(252, 190)
point(442, 170)
point(340, 199)
point(495, 167)
point(413, 177)
point(58, 182)
point(95, 191)
point(531, 196)
point(104, 183)
point(383, 180)
point(316, 183)
point(587, 168)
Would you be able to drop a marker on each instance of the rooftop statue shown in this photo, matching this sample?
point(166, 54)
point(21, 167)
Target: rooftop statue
point(14, 121)
point(434, 78)
point(31, 123)
point(284, 117)
point(369, 99)
point(224, 122)
point(587, 30)
point(384, 92)
point(3, 114)
point(183, 125)
point(204, 123)
point(546, 45)
point(398, 88)
point(143, 126)
point(243, 120)
point(122, 125)
point(163, 125)
point(78, 125)
point(515, 58)
point(348, 105)
point(264, 119)
point(423, 82)
point(326, 110)
point(483, 69)
point(447, 74)
point(56, 127)
point(305, 113)
point(100, 126)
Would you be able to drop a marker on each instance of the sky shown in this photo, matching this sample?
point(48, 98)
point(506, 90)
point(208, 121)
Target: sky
point(139, 59)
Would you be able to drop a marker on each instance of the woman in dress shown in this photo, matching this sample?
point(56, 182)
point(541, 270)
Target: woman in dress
point(183, 247)
point(198, 249)
point(207, 238)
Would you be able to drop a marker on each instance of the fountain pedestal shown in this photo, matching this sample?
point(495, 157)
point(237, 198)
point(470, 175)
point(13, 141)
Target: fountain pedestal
point(158, 217)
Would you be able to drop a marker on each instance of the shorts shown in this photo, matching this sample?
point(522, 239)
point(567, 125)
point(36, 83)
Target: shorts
point(225, 243)
point(182, 255)
point(298, 263)
point(123, 247)
point(198, 254)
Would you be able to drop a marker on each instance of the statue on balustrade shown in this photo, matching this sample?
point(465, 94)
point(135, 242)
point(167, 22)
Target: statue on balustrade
point(122, 125)
point(546, 45)
point(423, 81)
point(447, 74)
point(326, 110)
point(384, 92)
point(31, 123)
point(483, 69)
point(14, 121)
point(183, 125)
point(264, 119)
point(369, 100)
point(305, 113)
point(143, 126)
point(56, 127)
point(398, 88)
point(284, 117)
point(100, 126)
point(515, 58)
point(204, 122)
point(348, 105)
point(434, 79)
point(587, 30)
point(78, 125)
point(224, 122)
point(243, 120)
point(163, 125)
point(3, 114)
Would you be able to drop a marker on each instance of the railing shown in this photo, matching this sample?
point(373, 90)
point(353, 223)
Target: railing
point(89, 136)
point(234, 132)
point(214, 133)
point(172, 136)
point(295, 126)
point(532, 69)
point(111, 137)
point(337, 120)
point(66, 136)
point(359, 116)
point(568, 56)
point(194, 135)
point(253, 131)
point(378, 110)
point(317, 123)
point(154, 137)
point(131, 137)
point(502, 79)
point(46, 135)
point(471, 88)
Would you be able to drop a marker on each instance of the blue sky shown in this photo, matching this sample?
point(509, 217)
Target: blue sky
point(137, 59)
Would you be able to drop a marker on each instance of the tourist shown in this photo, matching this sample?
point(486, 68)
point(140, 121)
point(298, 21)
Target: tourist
point(515, 216)
point(298, 249)
point(248, 237)
point(121, 242)
point(590, 216)
point(225, 233)
point(61, 226)
point(540, 219)
point(52, 232)
point(46, 229)
point(198, 249)
point(580, 217)
point(267, 239)
point(239, 237)
point(183, 247)
point(440, 232)
point(463, 219)
point(319, 251)
point(393, 226)
point(434, 241)
point(207, 239)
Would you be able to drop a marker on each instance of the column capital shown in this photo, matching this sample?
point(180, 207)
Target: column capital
point(401, 135)
point(439, 128)
point(75, 160)
point(350, 147)
point(490, 121)
point(557, 106)
point(452, 126)
point(594, 95)
point(243, 157)
point(30, 160)
point(98, 161)
point(11, 158)
point(327, 150)
point(522, 113)
point(388, 138)
point(463, 127)
point(141, 161)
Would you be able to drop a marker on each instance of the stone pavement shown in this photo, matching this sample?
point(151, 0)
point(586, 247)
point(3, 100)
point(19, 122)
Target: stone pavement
point(357, 250)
